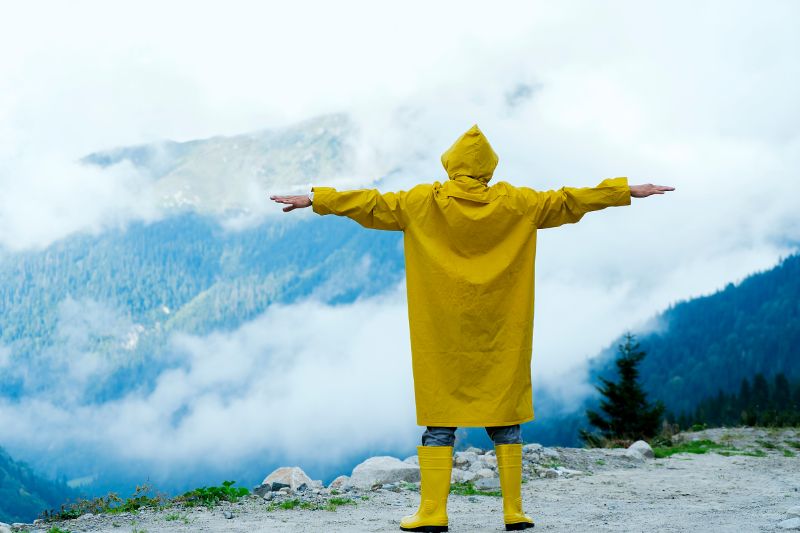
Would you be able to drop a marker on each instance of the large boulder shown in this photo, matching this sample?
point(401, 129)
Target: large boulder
point(288, 476)
point(383, 469)
point(643, 448)
point(340, 483)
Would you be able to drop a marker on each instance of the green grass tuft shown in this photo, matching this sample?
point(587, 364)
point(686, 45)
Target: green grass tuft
point(467, 488)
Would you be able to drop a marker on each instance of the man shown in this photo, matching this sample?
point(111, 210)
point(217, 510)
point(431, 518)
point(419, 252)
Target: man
point(469, 252)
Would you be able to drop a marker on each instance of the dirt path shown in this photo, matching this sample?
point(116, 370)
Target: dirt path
point(685, 492)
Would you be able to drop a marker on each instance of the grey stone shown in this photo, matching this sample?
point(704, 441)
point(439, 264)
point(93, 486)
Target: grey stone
point(633, 455)
point(474, 450)
point(412, 460)
point(383, 469)
point(534, 447)
point(5, 528)
point(643, 448)
point(793, 511)
point(485, 473)
point(550, 453)
point(276, 486)
point(341, 482)
point(262, 490)
point(291, 476)
point(790, 523)
point(461, 476)
point(487, 484)
point(228, 514)
point(463, 459)
point(268, 496)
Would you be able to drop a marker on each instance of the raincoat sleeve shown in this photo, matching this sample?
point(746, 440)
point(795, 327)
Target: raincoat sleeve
point(568, 204)
point(368, 207)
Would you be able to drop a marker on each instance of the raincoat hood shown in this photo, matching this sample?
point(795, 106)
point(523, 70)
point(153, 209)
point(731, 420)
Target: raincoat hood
point(472, 156)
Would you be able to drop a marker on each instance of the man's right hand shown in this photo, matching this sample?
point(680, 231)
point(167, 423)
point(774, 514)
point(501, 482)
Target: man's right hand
point(643, 191)
point(294, 202)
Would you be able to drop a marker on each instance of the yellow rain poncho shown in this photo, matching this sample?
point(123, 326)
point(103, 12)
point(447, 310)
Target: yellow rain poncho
point(469, 253)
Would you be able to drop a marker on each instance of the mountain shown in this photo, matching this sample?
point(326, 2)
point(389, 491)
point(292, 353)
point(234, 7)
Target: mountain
point(23, 494)
point(706, 344)
point(224, 174)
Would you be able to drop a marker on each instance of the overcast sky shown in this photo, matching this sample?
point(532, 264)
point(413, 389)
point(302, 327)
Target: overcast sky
point(698, 95)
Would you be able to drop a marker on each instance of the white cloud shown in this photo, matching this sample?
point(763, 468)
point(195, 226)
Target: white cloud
point(277, 387)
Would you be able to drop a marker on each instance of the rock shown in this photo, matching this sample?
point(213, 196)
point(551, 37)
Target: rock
point(487, 484)
point(391, 486)
point(532, 448)
point(268, 496)
point(485, 473)
point(490, 452)
point(285, 490)
point(340, 482)
point(263, 489)
point(633, 455)
point(464, 459)
point(317, 484)
point(790, 523)
point(550, 453)
point(383, 469)
point(473, 449)
point(288, 476)
point(643, 448)
point(568, 472)
point(461, 476)
point(5, 528)
point(227, 514)
point(550, 473)
point(491, 462)
point(412, 460)
point(793, 511)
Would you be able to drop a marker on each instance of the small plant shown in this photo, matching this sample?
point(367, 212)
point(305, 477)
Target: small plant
point(172, 517)
point(210, 496)
point(144, 496)
point(335, 503)
point(600, 462)
point(694, 446)
point(55, 529)
point(794, 443)
point(466, 488)
point(698, 427)
point(409, 486)
point(766, 444)
point(335, 492)
point(788, 453)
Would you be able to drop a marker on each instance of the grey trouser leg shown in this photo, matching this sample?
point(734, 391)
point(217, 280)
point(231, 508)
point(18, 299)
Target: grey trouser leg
point(439, 436)
point(444, 436)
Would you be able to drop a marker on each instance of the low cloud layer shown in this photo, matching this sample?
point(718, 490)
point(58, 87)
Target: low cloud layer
point(275, 388)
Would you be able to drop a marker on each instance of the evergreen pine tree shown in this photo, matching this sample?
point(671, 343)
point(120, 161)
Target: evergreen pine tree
point(628, 415)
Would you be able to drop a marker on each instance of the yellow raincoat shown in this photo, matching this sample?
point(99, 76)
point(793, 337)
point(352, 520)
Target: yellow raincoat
point(469, 253)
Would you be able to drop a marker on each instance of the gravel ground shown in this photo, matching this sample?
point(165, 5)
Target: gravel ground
point(684, 492)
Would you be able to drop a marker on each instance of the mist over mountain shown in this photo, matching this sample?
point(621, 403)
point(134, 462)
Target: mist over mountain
point(230, 174)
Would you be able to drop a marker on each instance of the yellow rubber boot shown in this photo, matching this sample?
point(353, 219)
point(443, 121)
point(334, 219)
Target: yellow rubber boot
point(509, 467)
point(435, 467)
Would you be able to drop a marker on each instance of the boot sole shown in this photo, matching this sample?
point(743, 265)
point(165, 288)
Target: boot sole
point(425, 529)
point(519, 526)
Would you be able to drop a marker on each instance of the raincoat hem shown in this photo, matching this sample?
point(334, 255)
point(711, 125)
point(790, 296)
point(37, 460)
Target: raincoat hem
point(473, 424)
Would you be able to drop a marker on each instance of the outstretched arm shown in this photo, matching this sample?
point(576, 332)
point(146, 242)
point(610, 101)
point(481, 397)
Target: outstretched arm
point(568, 204)
point(368, 207)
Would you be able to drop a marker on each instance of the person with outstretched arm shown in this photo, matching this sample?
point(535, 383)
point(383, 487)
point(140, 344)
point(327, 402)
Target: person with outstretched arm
point(469, 254)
